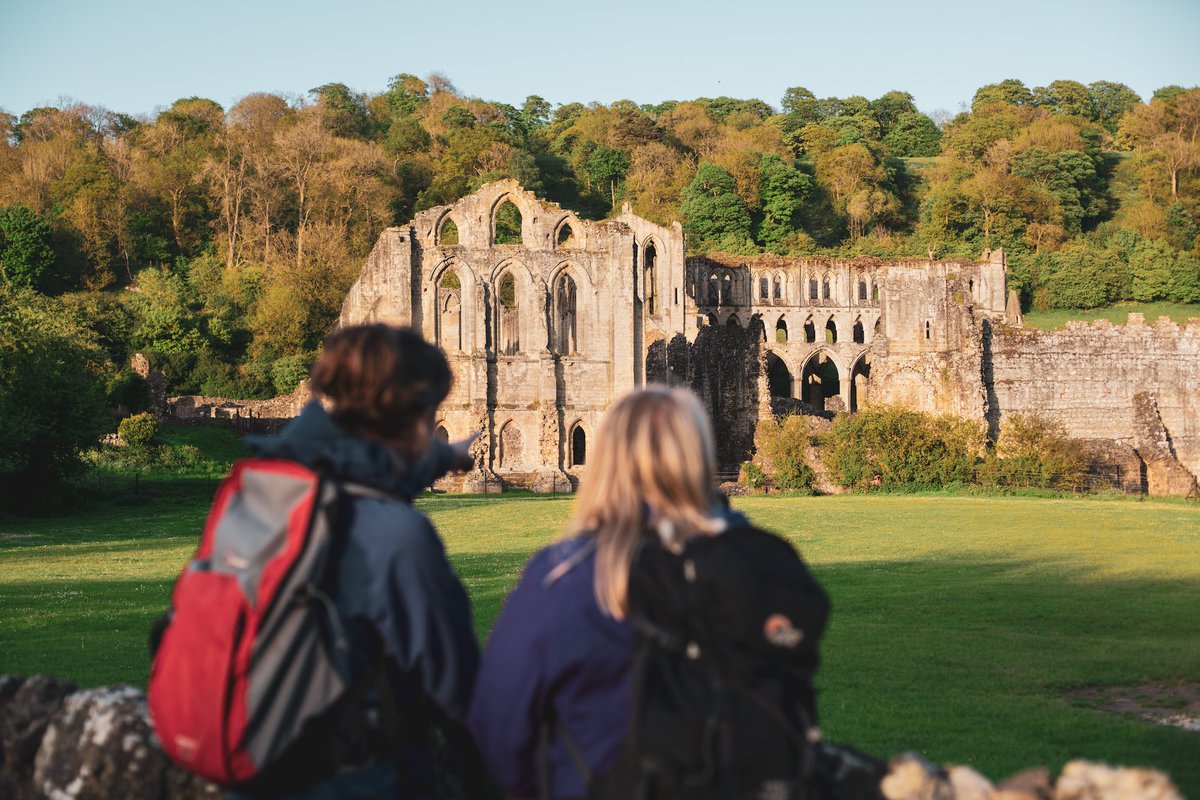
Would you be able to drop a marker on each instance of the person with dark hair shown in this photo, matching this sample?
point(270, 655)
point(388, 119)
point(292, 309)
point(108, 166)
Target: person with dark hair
point(394, 589)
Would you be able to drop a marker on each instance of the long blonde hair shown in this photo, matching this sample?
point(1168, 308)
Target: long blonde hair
point(651, 471)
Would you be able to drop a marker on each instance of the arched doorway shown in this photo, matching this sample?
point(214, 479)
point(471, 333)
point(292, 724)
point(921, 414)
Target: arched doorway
point(819, 380)
point(578, 446)
point(860, 376)
point(779, 377)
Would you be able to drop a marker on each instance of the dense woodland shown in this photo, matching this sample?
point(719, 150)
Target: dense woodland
point(221, 241)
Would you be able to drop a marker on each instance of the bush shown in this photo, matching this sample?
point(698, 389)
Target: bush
point(287, 372)
point(782, 446)
point(1036, 453)
point(752, 476)
point(893, 448)
point(138, 430)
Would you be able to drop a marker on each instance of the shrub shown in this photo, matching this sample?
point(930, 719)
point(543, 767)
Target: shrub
point(892, 447)
point(138, 430)
point(752, 475)
point(782, 446)
point(1034, 452)
point(287, 372)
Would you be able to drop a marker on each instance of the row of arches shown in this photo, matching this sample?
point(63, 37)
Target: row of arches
point(510, 311)
point(858, 331)
point(820, 379)
point(721, 288)
point(507, 228)
point(511, 451)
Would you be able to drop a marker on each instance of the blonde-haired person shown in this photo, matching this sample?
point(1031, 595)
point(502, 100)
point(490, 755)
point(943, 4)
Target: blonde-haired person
point(654, 564)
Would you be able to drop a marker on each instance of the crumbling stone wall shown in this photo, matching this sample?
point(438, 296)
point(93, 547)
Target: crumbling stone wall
point(1089, 378)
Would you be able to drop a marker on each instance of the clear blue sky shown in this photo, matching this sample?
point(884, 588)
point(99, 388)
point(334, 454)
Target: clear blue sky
point(138, 55)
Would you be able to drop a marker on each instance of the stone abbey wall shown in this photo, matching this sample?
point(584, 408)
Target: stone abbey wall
point(1089, 376)
point(547, 318)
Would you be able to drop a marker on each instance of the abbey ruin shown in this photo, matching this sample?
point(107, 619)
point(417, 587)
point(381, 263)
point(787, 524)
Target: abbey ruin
point(548, 318)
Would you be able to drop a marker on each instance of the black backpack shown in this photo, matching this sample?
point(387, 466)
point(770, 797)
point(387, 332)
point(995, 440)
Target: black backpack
point(721, 695)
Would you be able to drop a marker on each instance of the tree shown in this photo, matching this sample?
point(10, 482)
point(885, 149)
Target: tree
point(1066, 97)
point(784, 191)
point(1011, 91)
point(51, 393)
point(712, 210)
point(1111, 101)
point(607, 166)
point(913, 134)
point(344, 113)
point(25, 252)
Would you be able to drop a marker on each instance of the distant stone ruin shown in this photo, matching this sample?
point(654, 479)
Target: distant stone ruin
point(548, 318)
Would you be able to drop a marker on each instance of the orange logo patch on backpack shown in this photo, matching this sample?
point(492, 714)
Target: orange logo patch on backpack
point(780, 631)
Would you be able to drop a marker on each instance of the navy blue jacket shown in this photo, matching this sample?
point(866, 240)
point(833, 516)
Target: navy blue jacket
point(393, 574)
point(552, 652)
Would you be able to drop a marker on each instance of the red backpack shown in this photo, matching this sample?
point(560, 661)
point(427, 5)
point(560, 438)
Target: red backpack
point(253, 653)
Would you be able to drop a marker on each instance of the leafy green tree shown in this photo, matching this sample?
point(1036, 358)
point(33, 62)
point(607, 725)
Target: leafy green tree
point(1184, 283)
point(913, 134)
point(1079, 275)
point(51, 390)
point(406, 93)
point(1111, 101)
point(1066, 97)
point(344, 112)
point(1010, 91)
point(25, 251)
point(713, 212)
point(784, 190)
point(607, 167)
point(1151, 265)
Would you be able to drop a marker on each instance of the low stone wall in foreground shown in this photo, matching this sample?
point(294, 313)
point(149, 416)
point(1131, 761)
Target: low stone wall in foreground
point(59, 741)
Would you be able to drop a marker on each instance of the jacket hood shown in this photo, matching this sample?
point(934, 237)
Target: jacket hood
point(315, 440)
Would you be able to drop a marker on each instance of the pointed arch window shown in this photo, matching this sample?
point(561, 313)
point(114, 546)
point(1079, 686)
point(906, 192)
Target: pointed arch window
point(825, 294)
point(778, 288)
point(566, 339)
point(449, 298)
point(764, 288)
point(566, 236)
point(448, 233)
point(862, 290)
point(578, 446)
point(506, 224)
point(509, 313)
point(650, 275)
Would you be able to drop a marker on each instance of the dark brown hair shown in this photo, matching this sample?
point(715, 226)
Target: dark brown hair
point(380, 379)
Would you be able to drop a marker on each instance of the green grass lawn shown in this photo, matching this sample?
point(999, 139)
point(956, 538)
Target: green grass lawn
point(1119, 313)
point(960, 624)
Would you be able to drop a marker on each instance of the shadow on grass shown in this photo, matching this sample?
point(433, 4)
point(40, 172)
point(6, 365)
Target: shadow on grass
point(968, 661)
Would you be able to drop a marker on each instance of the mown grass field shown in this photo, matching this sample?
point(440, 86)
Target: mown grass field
point(960, 624)
point(1118, 314)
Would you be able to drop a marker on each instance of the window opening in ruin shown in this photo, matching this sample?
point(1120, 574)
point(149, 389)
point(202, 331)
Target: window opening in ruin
point(878, 325)
point(712, 319)
point(566, 236)
point(926, 329)
point(813, 289)
point(858, 334)
point(860, 376)
point(566, 331)
point(510, 334)
point(512, 445)
point(781, 331)
point(448, 235)
point(727, 291)
point(810, 331)
point(825, 288)
point(450, 312)
point(778, 288)
point(649, 256)
point(676, 295)
point(779, 377)
point(442, 433)
point(733, 321)
point(714, 290)
point(507, 224)
point(971, 287)
point(862, 290)
point(578, 447)
point(763, 288)
point(830, 332)
point(875, 293)
point(819, 381)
